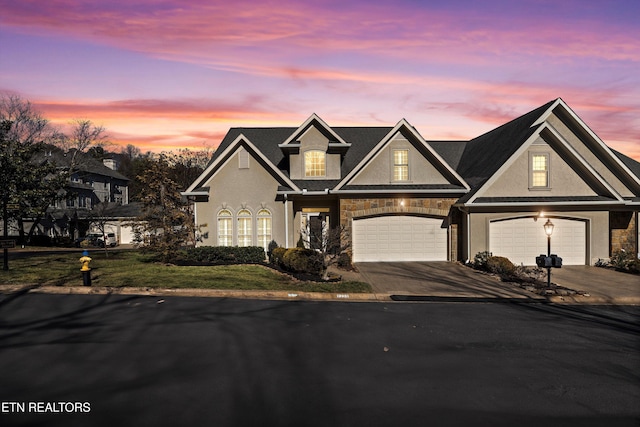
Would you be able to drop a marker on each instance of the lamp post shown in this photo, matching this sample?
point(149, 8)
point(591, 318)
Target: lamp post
point(548, 230)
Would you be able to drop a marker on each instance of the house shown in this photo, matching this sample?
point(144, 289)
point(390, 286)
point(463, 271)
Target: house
point(403, 198)
point(91, 183)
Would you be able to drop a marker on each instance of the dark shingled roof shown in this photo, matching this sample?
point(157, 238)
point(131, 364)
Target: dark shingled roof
point(632, 164)
point(362, 140)
point(404, 187)
point(544, 199)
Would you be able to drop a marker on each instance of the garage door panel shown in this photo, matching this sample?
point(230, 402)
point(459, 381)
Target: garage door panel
point(522, 239)
point(399, 238)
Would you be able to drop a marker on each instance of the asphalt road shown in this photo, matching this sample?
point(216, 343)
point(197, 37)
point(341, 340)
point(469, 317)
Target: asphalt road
point(146, 361)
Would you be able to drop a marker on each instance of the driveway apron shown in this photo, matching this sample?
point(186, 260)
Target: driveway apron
point(438, 278)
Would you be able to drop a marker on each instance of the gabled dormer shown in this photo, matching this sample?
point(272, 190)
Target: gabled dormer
point(315, 151)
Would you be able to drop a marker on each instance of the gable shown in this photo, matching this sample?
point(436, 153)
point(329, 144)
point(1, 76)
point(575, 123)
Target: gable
point(427, 170)
point(231, 150)
point(379, 170)
point(515, 180)
point(242, 178)
point(597, 161)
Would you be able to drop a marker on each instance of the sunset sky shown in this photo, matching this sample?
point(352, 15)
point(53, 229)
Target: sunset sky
point(165, 74)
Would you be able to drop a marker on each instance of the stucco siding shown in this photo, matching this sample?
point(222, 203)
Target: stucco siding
point(515, 181)
point(236, 189)
point(380, 169)
point(313, 139)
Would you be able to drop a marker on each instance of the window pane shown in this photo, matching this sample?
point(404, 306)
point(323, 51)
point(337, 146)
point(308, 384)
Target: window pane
point(400, 165)
point(539, 179)
point(264, 228)
point(244, 228)
point(314, 163)
point(400, 157)
point(400, 173)
point(224, 231)
point(540, 171)
point(539, 163)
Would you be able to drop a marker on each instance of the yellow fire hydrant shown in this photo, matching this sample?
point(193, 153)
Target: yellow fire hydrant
point(86, 270)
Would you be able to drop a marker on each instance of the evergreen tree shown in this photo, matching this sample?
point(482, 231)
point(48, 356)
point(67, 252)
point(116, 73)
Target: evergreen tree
point(165, 224)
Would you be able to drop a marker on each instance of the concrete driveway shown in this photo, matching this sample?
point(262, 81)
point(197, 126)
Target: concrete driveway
point(602, 284)
point(436, 279)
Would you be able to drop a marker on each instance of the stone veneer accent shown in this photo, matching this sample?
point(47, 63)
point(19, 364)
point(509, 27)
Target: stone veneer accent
point(623, 231)
point(434, 207)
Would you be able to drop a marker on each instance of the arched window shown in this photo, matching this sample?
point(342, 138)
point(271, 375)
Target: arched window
point(225, 228)
point(245, 235)
point(314, 163)
point(264, 228)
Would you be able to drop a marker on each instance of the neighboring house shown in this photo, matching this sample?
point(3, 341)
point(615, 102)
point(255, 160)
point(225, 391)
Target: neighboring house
point(92, 182)
point(402, 198)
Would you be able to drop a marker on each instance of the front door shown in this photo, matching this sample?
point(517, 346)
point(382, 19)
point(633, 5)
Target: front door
point(315, 226)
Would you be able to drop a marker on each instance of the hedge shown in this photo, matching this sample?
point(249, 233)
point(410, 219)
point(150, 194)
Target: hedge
point(226, 254)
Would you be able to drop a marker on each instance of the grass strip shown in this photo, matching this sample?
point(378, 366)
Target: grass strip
point(134, 269)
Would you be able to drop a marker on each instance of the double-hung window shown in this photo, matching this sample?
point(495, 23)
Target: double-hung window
point(314, 163)
point(539, 176)
point(401, 165)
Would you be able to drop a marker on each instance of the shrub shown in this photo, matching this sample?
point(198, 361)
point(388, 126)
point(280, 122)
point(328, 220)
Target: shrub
point(277, 256)
point(480, 260)
point(226, 254)
point(344, 260)
point(303, 260)
point(272, 245)
point(625, 261)
point(300, 243)
point(500, 265)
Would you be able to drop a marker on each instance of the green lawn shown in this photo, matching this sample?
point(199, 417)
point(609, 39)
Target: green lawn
point(131, 268)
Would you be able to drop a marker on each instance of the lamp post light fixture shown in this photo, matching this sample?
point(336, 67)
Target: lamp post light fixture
point(548, 230)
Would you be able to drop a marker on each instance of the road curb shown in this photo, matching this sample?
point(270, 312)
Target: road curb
point(211, 293)
point(317, 296)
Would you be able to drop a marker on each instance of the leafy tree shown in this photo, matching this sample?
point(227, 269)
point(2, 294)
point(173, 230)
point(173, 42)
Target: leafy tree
point(165, 224)
point(28, 184)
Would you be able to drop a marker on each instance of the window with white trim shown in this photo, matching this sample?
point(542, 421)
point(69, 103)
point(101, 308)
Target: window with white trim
point(401, 165)
point(264, 228)
point(539, 170)
point(225, 228)
point(314, 163)
point(245, 235)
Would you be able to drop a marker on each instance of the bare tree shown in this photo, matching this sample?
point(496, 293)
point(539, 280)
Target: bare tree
point(331, 243)
point(84, 135)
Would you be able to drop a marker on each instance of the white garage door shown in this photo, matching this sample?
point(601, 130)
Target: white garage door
point(399, 238)
point(522, 240)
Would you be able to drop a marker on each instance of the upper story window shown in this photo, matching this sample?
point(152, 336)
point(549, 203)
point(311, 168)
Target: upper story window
point(314, 163)
point(539, 170)
point(401, 165)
